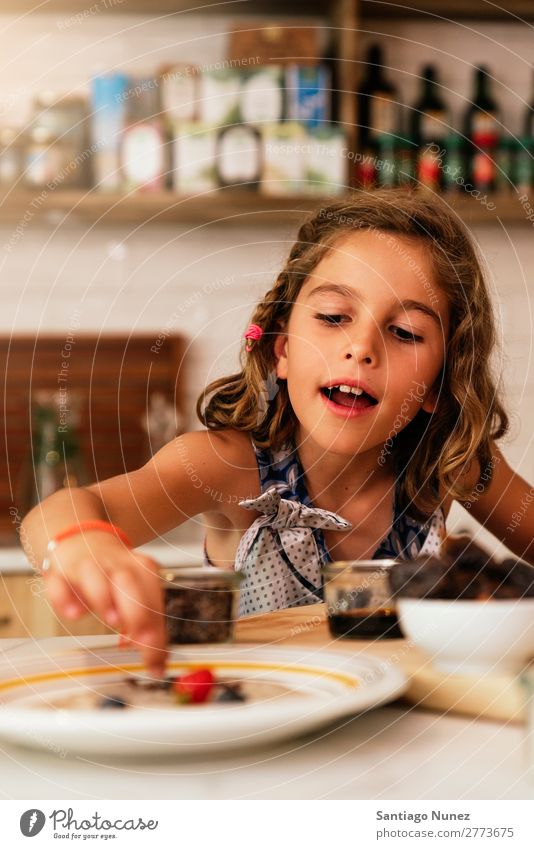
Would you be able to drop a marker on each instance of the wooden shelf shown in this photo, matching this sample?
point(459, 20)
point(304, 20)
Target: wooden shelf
point(225, 206)
point(451, 9)
point(442, 10)
point(166, 7)
point(241, 208)
point(238, 207)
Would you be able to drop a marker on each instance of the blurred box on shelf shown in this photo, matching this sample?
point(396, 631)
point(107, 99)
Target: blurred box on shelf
point(43, 159)
point(266, 93)
point(283, 159)
point(109, 96)
point(143, 99)
point(262, 94)
point(309, 94)
point(143, 157)
point(326, 163)
point(56, 152)
point(219, 92)
point(238, 156)
point(143, 152)
point(179, 91)
point(62, 115)
point(271, 42)
point(279, 159)
point(194, 149)
point(299, 160)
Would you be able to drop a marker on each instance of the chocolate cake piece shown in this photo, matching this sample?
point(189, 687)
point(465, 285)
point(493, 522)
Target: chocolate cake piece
point(423, 578)
point(464, 571)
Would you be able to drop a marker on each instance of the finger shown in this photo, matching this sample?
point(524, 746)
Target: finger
point(149, 574)
point(95, 587)
point(137, 605)
point(63, 596)
point(130, 596)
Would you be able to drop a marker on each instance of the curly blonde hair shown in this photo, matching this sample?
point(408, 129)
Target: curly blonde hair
point(434, 450)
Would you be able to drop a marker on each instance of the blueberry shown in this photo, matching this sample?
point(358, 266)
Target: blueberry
point(113, 702)
point(229, 693)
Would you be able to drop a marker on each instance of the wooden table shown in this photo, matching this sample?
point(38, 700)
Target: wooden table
point(499, 698)
point(393, 752)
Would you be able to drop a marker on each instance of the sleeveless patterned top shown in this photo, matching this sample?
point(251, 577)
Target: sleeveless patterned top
point(281, 553)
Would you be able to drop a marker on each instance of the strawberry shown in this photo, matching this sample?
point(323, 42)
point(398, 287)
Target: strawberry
point(195, 687)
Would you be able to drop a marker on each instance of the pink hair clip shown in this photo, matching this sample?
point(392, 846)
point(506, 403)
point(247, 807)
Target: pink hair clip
point(254, 333)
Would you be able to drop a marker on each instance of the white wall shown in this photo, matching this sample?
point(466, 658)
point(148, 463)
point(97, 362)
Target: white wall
point(202, 282)
point(133, 278)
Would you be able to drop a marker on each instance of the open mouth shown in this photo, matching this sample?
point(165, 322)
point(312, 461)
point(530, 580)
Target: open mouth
point(351, 397)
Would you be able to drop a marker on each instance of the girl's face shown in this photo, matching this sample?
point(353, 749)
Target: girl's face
point(369, 317)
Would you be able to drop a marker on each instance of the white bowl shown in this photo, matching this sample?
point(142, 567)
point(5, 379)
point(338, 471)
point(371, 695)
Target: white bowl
point(471, 637)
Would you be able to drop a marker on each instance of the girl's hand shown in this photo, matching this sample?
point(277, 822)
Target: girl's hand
point(96, 573)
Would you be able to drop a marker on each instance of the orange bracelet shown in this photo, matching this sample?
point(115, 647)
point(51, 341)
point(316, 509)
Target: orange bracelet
point(73, 530)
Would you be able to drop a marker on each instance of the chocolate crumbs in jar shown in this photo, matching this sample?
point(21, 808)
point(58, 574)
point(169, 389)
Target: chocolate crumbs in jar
point(200, 605)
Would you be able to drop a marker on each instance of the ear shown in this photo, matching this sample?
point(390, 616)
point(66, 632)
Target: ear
point(280, 352)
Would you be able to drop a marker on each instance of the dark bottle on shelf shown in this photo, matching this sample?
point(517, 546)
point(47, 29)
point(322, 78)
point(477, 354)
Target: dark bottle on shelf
point(482, 116)
point(484, 170)
point(505, 162)
point(330, 62)
point(365, 170)
point(378, 102)
point(430, 117)
point(528, 124)
point(429, 125)
point(429, 166)
point(524, 165)
point(454, 159)
point(406, 161)
point(386, 164)
point(482, 131)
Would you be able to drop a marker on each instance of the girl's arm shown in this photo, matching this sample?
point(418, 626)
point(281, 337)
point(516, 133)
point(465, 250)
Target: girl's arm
point(94, 570)
point(503, 502)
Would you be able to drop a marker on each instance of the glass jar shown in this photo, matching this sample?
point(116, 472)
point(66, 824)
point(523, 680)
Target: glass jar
point(43, 161)
point(239, 156)
point(358, 599)
point(200, 604)
point(143, 156)
point(57, 151)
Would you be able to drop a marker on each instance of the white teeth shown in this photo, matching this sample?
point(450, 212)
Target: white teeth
point(355, 390)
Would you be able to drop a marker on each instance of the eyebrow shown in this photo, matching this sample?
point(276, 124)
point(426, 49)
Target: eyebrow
point(346, 291)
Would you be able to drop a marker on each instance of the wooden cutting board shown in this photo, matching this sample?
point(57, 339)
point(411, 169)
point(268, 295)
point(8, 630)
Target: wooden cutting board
point(500, 698)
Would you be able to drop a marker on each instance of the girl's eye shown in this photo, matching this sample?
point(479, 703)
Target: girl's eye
point(330, 319)
point(405, 335)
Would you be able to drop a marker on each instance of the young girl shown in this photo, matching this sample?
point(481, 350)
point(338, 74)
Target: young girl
point(364, 406)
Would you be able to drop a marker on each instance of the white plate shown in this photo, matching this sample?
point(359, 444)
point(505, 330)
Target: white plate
point(325, 686)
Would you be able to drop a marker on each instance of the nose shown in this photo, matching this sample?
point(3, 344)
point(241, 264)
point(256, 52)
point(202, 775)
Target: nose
point(362, 344)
